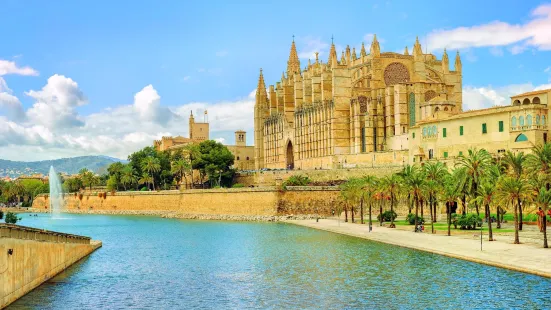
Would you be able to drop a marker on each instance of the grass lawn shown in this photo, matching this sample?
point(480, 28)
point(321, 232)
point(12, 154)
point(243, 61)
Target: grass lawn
point(444, 226)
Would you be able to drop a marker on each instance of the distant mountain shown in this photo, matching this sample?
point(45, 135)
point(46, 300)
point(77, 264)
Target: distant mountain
point(72, 165)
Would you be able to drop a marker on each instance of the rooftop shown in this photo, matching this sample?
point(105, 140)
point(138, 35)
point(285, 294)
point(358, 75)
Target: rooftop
point(531, 93)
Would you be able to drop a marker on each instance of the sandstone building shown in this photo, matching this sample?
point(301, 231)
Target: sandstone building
point(199, 131)
point(354, 111)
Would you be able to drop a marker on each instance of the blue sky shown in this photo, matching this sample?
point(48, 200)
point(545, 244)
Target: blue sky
point(106, 77)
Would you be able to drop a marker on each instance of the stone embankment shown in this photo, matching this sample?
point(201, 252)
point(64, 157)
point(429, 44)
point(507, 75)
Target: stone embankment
point(245, 218)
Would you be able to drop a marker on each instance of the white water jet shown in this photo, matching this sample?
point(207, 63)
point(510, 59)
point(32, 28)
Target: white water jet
point(56, 193)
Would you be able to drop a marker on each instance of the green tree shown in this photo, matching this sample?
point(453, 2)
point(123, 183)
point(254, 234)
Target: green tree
point(112, 183)
point(515, 163)
point(11, 218)
point(538, 164)
point(543, 201)
point(391, 186)
point(415, 181)
point(88, 178)
point(214, 162)
point(180, 169)
point(485, 197)
point(151, 165)
point(450, 194)
point(128, 176)
point(369, 186)
point(72, 185)
point(475, 164)
point(146, 179)
point(511, 190)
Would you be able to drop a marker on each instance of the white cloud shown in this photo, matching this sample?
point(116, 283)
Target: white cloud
point(534, 33)
point(496, 51)
point(9, 67)
point(308, 46)
point(147, 104)
point(221, 140)
point(489, 96)
point(9, 103)
point(56, 102)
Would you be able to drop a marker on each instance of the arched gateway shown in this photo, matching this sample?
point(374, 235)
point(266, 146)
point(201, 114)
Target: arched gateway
point(289, 159)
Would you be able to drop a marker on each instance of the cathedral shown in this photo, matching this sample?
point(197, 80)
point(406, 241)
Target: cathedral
point(354, 111)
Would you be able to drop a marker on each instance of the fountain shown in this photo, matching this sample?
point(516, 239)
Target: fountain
point(56, 194)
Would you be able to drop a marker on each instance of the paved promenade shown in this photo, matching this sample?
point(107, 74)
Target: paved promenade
point(527, 258)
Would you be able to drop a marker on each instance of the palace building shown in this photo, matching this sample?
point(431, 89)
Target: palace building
point(199, 131)
point(382, 109)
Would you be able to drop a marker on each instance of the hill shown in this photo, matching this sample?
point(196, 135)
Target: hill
point(72, 165)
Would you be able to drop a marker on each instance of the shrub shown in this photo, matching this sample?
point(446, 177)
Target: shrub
point(26, 204)
point(469, 221)
point(387, 216)
point(238, 185)
point(454, 220)
point(11, 218)
point(144, 189)
point(297, 180)
point(411, 219)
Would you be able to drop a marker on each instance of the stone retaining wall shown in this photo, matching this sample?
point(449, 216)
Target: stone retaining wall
point(29, 257)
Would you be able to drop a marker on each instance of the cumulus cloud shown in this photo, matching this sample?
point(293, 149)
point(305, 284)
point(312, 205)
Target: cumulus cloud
point(56, 102)
point(10, 67)
point(308, 46)
point(9, 103)
point(489, 96)
point(534, 33)
point(147, 104)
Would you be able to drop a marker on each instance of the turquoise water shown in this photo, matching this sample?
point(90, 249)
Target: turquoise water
point(149, 262)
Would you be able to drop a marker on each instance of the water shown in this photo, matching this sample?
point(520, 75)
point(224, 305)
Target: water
point(149, 262)
point(56, 193)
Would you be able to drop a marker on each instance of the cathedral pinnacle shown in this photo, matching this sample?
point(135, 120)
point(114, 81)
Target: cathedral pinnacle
point(343, 60)
point(445, 62)
point(261, 94)
point(354, 57)
point(293, 64)
point(417, 50)
point(406, 52)
point(457, 62)
point(362, 52)
point(332, 53)
point(375, 48)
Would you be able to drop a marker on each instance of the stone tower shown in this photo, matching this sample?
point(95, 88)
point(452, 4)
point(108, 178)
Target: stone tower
point(261, 110)
point(240, 138)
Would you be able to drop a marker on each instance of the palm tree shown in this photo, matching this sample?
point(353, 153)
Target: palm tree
point(450, 194)
point(512, 190)
point(475, 164)
point(431, 190)
point(415, 182)
point(516, 163)
point(435, 172)
point(406, 172)
point(146, 179)
point(484, 196)
point(179, 168)
point(369, 186)
point(543, 201)
point(151, 165)
point(539, 163)
point(128, 176)
point(391, 185)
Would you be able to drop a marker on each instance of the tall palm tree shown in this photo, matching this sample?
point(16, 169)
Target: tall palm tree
point(180, 168)
point(539, 163)
point(151, 165)
point(511, 190)
point(415, 182)
point(543, 201)
point(351, 193)
point(435, 171)
point(406, 172)
point(369, 186)
point(475, 163)
point(391, 185)
point(128, 176)
point(515, 163)
point(484, 197)
point(450, 194)
point(145, 179)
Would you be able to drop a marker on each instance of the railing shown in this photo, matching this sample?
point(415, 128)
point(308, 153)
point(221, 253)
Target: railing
point(527, 127)
point(29, 233)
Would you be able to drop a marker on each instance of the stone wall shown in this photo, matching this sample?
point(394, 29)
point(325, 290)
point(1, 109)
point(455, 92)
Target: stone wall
point(29, 257)
point(261, 201)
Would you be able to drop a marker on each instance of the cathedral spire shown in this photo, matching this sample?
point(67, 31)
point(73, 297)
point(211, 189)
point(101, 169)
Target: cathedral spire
point(457, 62)
point(293, 64)
point(332, 54)
point(445, 62)
point(354, 57)
point(362, 52)
point(348, 55)
point(406, 52)
point(417, 50)
point(375, 48)
point(261, 95)
point(343, 59)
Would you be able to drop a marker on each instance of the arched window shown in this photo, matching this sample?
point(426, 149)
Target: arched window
point(521, 120)
point(237, 157)
point(529, 120)
point(526, 101)
point(537, 119)
point(411, 109)
point(543, 119)
point(514, 121)
point(521, 138)
point(516, 102)
point(446, 109)
point(424, 131)
point(247, 157)
point(434, 130)
point(536, 100)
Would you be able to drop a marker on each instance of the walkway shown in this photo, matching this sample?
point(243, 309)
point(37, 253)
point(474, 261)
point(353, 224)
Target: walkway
point(527, 258)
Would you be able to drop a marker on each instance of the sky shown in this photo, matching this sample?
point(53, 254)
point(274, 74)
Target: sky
point(109, 77)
